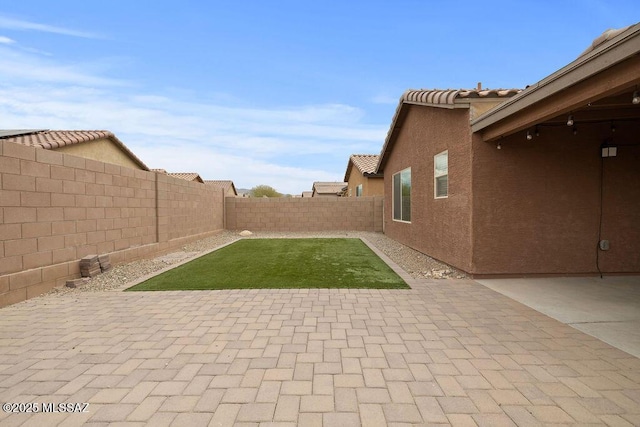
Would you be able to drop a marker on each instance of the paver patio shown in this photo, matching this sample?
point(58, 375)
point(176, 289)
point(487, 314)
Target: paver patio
point(445, 352)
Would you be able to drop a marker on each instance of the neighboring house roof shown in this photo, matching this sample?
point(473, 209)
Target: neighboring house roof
point(16, 132)
point(449, 98)
point(307, 193)
point(52, 139)
point(222, 184)
point(187, 176)
point(365, 163)
point(336, 188)
point(609, 49)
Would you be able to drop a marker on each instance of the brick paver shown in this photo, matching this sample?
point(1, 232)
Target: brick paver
point(445, 352)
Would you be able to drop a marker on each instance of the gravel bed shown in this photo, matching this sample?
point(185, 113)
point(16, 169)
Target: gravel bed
point(418, 265)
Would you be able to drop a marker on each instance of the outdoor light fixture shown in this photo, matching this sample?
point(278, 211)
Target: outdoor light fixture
point(499, 147)
point(575, 130)
point(608, 150)
point(529, 136)
point(613, 127)
point(570, 120)
point(636, 97)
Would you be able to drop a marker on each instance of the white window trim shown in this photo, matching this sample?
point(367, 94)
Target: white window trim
point(436, 175)
point(393, 195)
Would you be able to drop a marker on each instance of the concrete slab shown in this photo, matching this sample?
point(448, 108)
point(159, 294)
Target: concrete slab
point(607, 308)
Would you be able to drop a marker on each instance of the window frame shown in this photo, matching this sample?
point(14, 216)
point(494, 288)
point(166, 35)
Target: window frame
point(437, 175)
point(393, 196)
point(359, 190)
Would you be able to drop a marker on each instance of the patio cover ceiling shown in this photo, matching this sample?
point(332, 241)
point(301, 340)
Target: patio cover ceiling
point(597, 86)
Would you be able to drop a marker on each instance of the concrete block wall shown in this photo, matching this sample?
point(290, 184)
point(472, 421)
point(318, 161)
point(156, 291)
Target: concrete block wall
point(304, 214)
point(56, 208)
point(187, 208)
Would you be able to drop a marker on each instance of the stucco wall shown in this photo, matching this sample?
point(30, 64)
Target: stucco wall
point(304, 214)
point(102, 150)
point(370, 186)
point(537, 203)
point(56, 208)
point(440, 228)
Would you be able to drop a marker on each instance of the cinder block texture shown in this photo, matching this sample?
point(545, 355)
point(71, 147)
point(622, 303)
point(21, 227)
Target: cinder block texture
point(56, 208)
point(304, 214)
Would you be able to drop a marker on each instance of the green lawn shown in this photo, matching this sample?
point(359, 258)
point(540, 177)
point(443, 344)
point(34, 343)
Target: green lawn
point(281, 263)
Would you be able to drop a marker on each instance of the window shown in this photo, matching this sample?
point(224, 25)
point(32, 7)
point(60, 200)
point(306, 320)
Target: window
point(359, 190)
point(441, 175)
point(402, 196)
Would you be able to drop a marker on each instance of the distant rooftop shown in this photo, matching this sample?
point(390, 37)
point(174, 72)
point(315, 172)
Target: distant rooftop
point(329, 187)
point(221, 184)
point(187, 176)
point(365, 163)
point(52, 139)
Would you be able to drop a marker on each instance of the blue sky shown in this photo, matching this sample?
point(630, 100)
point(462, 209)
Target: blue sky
point(270, 92)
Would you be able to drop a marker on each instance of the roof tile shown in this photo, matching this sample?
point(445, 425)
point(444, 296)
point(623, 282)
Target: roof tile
point(329, 187)
point(221, 184)
point(448, 98)
point(52, 139)
point(187, 176)
point(366, 163)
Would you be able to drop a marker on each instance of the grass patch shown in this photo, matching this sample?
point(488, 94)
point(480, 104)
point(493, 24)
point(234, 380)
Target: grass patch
point(281, 263)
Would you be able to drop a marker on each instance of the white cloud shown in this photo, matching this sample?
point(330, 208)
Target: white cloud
point(245, 171)
point(18, 24)
point(6, 40)
point(265, 133)
point(287, 148)
point(19, 67)
point(385, 99)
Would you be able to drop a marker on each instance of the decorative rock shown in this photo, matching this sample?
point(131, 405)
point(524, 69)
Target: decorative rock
point(76, 282)
point(245, 233)
point(416, 264)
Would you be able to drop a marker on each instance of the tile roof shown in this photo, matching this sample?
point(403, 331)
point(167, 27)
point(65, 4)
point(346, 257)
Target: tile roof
point(187, 176)
point(307, 193)
point(448, 98)
point(52, 139)
point(222, 184)
point(366, 164)
point(329, 187)
point(15, 132)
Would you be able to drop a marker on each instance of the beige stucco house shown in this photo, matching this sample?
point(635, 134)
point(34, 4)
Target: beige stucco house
point(100, 145)
point(361, 176)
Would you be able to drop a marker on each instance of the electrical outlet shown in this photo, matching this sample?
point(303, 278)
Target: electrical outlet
point(604, 245)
